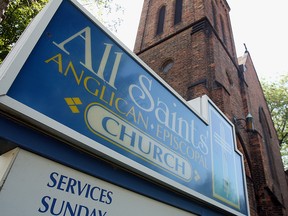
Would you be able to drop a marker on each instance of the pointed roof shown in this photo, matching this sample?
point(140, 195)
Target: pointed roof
point(242, 59)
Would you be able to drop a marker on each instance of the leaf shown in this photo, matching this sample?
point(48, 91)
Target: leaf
point(276, 94)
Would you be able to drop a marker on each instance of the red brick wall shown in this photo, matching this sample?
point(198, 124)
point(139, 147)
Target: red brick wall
point(205, 63)
point(147, 26)
point(272, 190)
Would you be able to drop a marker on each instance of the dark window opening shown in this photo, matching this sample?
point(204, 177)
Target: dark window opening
point(267, 144)
point(161, 19)
point(223, 30)
point(178, 11)
point(167, 65)
point(230, 80)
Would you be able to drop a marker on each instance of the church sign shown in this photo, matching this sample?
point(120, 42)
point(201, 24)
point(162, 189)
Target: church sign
point(70, 77)
point(62, 191)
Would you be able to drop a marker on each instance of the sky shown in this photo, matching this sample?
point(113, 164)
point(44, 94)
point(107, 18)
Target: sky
point(260, 24)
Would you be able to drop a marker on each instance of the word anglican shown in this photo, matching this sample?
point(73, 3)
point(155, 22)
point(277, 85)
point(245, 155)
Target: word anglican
point(143, 121)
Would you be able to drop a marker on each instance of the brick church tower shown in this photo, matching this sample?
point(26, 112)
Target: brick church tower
point(190, 44)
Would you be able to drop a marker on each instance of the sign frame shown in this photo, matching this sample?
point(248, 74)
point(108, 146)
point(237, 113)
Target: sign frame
point(54, 185)
point(17, 58)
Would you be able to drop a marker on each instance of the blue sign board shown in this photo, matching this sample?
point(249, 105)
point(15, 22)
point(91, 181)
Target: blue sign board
point(79, 76)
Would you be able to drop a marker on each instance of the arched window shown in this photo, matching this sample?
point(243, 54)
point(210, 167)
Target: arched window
point(161, 19)
point(167, 65)
point(267, 143)
point(223, 30)
point(178, 11)
point(230, 80)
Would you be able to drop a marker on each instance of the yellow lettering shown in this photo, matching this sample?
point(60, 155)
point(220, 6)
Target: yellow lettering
point(112, 98)
point(103, 90)
point(117, 101)
point(85, 82)
point(71, 66)
point(84, 34)
point(141, 118)
point(58, 59)
point(132, 113)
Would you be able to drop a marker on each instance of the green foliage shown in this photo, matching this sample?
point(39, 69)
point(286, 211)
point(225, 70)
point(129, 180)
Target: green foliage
point(108, 12)
point(276, 94)
point(16, 18)
point(20, 13)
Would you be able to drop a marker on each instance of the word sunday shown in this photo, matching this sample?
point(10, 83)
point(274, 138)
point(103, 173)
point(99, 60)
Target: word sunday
point(66, 184)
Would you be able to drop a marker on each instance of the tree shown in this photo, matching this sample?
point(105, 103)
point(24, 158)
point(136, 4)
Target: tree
point(19, 13)
point(103, 9)
point(3, 7)
point(276, 94)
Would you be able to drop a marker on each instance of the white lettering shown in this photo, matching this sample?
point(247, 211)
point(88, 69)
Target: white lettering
point(144, 92)
point(85, 34)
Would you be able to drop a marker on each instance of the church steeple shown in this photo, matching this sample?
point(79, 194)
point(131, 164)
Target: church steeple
point(190, 44)
point(190, 39)
point(164, 18)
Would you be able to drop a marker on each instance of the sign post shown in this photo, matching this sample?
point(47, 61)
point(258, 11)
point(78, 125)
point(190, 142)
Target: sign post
point(74, 80)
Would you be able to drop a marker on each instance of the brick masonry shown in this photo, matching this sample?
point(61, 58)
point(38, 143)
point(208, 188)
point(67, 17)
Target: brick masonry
point(202, 50)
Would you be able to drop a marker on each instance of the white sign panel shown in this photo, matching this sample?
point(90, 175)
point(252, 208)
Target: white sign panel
point(38, 186)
